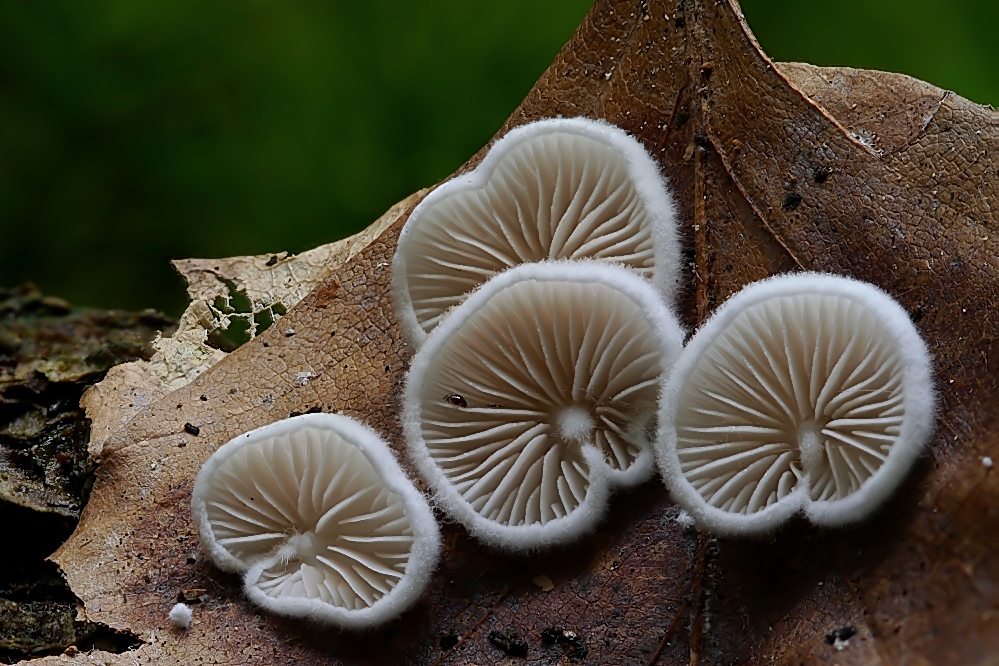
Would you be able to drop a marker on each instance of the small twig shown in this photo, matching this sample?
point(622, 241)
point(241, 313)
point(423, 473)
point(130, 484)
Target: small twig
point(697, 626)
point(668, 635)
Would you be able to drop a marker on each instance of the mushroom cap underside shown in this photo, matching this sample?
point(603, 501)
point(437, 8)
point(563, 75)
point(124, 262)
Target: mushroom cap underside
point(317, 513)
point(538, 393)
point(552, 189)
point(804, 392)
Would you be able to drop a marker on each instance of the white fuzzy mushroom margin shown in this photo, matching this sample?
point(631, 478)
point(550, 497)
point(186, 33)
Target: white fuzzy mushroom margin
point(643, 170)
point(919, 399)
point(602, 477)
point(424, 554)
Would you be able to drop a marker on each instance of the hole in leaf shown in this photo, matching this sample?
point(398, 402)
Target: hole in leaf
point(237, 321)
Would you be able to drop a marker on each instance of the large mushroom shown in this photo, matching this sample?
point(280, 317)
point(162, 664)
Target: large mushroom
point(318, 514)
point(805, 392)
point(536, 395)
point(566, 188)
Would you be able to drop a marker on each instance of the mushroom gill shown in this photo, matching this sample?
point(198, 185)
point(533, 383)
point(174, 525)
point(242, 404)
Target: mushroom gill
point(536, 394)
point(802, 392)
point(317, 513)
point(552, 189)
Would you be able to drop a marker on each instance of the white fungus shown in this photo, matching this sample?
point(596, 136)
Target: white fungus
point(987, 461)
point(536, 395)
point(318, 514)
point(685, 520)
point(181, 616)
point(805, 392)
point(567, 188)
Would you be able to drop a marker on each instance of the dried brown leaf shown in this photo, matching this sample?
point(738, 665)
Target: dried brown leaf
point(776, 170)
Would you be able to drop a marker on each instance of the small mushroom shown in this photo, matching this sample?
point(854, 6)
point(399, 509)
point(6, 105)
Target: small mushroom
point(558, 368)
point(566, 188)
point(181, 616)
point(318, 514)
point(805, 392)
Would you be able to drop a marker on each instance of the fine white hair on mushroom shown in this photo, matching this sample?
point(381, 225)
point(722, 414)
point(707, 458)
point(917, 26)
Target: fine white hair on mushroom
point(565, 188)
point(318, 514)
point(536, 395)
point(805, 392)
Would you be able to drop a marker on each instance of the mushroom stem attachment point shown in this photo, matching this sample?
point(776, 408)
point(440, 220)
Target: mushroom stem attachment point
point(299, 546)
point(811, 443)
point(575, 425)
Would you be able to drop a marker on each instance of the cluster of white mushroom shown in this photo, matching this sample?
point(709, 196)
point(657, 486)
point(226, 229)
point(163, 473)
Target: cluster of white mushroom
point(550, 369)
point(533, 396)
point(804, 393)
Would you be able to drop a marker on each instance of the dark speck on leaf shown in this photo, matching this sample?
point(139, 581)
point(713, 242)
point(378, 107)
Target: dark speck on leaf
point(192, 429)
point(821, 174)
point(449, 640)
point(550, 635)
point(273, 260)
point(509, 642)
point(840, 634)
point(791, 201)
point(568, 642)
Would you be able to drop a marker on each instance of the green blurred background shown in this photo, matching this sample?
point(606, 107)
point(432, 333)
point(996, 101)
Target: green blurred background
point(135, 132)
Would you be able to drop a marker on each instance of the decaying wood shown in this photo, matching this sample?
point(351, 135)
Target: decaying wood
point(777, 167)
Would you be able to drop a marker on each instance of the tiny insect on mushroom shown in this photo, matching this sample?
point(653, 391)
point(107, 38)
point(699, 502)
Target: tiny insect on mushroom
point(536, 395)
point(566, 188)
point(804, 392)
point(318, 515)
